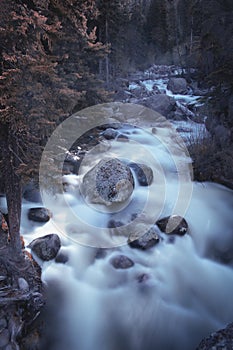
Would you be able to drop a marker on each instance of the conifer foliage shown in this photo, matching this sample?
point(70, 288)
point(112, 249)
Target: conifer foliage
point(49, 55)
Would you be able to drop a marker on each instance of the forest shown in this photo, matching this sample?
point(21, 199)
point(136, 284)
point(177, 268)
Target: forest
point(58, 57)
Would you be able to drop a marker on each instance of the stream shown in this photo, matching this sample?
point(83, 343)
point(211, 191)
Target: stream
point(177, 291)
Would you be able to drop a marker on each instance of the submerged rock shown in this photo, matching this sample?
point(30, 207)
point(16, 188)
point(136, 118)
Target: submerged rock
point(148, 240)
point(39, 214)
point(114, 223)
point(177, 85)
point(173, 224)
point(109, 181)
point(121, 262)
point(143, 173)
point(46, 247)
point(143, 277)
point(61, 258)
point(31, 193)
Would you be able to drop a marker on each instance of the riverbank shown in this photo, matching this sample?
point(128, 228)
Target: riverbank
point(21, 296)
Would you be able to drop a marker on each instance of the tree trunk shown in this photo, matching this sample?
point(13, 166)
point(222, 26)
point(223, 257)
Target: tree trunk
point(13, 192)
point(14, 197)
point(107, 57)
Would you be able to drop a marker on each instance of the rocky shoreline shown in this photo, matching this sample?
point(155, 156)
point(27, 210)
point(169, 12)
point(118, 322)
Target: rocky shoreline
point(22, 296)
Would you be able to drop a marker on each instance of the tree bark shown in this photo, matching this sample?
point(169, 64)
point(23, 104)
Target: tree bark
point(14, 197)
point(13, 191)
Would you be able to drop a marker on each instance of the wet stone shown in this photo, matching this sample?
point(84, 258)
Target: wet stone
point(148, 240)
point(174, 224)
point(143, 278)
point(101, 253)
point(122, 138)
point(109, 134)
point(121, 262)
point(143, 173)
point(61, 258)
point(114, 223)
point(46, 247)
point(39, 214)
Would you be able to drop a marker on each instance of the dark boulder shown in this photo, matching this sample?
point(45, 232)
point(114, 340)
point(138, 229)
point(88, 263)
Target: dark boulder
point(39, 214)
point(173, 224)
point(144, 173)
point(148, 240)
point(161, 103)
point(109, 181)
point(109, 134)
point(121, 262)
point(177, 85)
point(46, 247)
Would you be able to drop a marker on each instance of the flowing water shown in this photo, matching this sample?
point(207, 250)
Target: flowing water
point(177, 291)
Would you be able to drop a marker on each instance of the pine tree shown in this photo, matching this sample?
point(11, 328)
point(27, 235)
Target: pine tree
point(49, 54)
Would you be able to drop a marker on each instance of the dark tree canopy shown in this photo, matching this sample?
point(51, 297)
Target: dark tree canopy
point(49, 54)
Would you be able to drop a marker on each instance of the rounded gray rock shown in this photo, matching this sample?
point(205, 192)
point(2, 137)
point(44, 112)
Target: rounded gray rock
point(109, 181)
point(39, 214)
point(121, 262)
point(46, 247)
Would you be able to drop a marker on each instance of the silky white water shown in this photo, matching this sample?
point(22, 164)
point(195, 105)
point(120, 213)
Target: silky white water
point(176, 293)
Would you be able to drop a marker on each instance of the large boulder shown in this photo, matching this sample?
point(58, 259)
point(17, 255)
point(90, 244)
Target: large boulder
point(222, 339)
point(148, 240)
point(173, 225)
point(177, 85)
point(161, 103)
point(46, 247)
point(108, 182)
point(39, 214)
